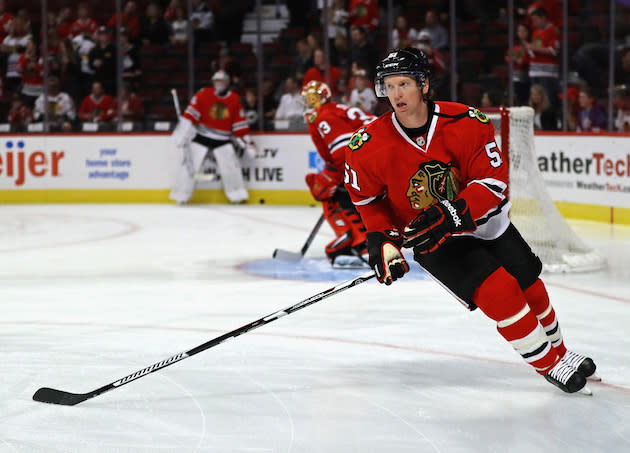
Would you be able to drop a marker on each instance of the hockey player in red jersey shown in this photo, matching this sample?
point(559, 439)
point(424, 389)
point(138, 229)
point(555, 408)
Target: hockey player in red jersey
point(331, 125)
point(216, 120)
point(430, 176)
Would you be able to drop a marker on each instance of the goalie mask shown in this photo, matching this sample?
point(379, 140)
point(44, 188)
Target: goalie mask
point(220, 82)
point(315, 94)
point(408, 61)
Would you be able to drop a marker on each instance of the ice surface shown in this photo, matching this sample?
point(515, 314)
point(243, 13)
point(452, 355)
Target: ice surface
point(92, 293)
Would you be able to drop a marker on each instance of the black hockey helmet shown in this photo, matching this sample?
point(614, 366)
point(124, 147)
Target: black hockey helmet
point(407, 61)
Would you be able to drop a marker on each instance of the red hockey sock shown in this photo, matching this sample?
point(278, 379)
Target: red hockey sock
point(502, 300)
point(538, 300)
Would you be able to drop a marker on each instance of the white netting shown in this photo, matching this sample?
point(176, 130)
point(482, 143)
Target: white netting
point(533, 211)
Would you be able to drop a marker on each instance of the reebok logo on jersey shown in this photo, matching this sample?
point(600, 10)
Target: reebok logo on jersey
point(453, 212)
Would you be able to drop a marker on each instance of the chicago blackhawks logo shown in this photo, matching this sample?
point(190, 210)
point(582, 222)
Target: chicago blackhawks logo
point(219, 111)
point(433, 182)
point(475, 113)
point(358, 139)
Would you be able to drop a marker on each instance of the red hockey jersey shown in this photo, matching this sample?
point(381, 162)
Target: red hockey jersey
point(391, 177)
point(331, 126)
point(217, 117)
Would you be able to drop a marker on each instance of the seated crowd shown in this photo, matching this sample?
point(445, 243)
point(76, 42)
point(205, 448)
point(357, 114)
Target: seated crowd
point(83, 53)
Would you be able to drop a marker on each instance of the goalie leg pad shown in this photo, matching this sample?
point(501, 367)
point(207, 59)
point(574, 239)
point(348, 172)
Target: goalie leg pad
point(190, 157)
point(341, 245)
point(231, 174)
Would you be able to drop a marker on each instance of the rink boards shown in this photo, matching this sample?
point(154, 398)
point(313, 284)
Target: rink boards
point(587, 175)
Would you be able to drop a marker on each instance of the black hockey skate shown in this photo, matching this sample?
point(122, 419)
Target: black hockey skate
point(582, 364)
point(567, 379)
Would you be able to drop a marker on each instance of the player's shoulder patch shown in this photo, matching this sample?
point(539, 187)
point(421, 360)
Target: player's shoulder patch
point(478, 115)
point(312, 117)
point(358, 139)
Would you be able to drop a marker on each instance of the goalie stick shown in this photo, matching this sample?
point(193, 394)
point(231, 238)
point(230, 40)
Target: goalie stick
point(285, 255)
point(53, 396)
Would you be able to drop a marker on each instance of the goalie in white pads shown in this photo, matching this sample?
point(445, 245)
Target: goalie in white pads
point(216, 120)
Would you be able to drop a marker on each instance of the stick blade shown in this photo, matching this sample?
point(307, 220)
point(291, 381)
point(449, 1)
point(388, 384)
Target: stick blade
point(284, 255)
point(53, 396)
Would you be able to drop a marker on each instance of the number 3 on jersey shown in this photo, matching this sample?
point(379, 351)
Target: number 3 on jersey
point(350, 177)
point(492, 150)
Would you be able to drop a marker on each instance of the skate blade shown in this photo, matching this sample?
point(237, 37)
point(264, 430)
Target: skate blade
point(585, 391)
point(594, 377)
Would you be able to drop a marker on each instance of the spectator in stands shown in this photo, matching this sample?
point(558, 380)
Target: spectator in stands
point(12, 48)
point(202, 19)
point(622, 69)
point(592, 117)
point(403, 35)
point(318, 71)
point(20, 116)
point(250, 106)
point(363, 13)
point(362, 53)
point(154, 29)
point(128, 19)
point(437, 62)
point(5, 20)
point(60, 107)
point(64, 23)
point(314, 41)
point(545, 117)
point(622, 104)
point(362, 94)
point(131, 106)
point(83, 44)
point(544, 49)
point(336, 25)
point(98, 106)
point(432, 26)
point(179, 25)
point(269, 102)
point(303, 59)
point(573, 107)
point(84, 23)
point(291, 104)
point(226, 62)
point(520, 68)
point(103, 61)
point(24, 14)
point(491, 98)
point(32, 67)
point(343, 91)
point(131, 71)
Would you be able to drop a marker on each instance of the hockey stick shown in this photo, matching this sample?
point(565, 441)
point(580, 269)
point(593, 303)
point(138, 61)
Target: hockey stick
point(53, 396)
point(285, 255)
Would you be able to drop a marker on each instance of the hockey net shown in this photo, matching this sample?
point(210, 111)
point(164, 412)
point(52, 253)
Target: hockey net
point(533, 211)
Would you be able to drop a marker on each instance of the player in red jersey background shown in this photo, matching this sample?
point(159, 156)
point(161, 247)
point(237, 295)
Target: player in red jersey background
point(430, 176)
point(331, 126)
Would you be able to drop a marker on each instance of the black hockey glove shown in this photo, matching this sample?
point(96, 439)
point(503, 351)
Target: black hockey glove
point(438, 222)
point(385, 256)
